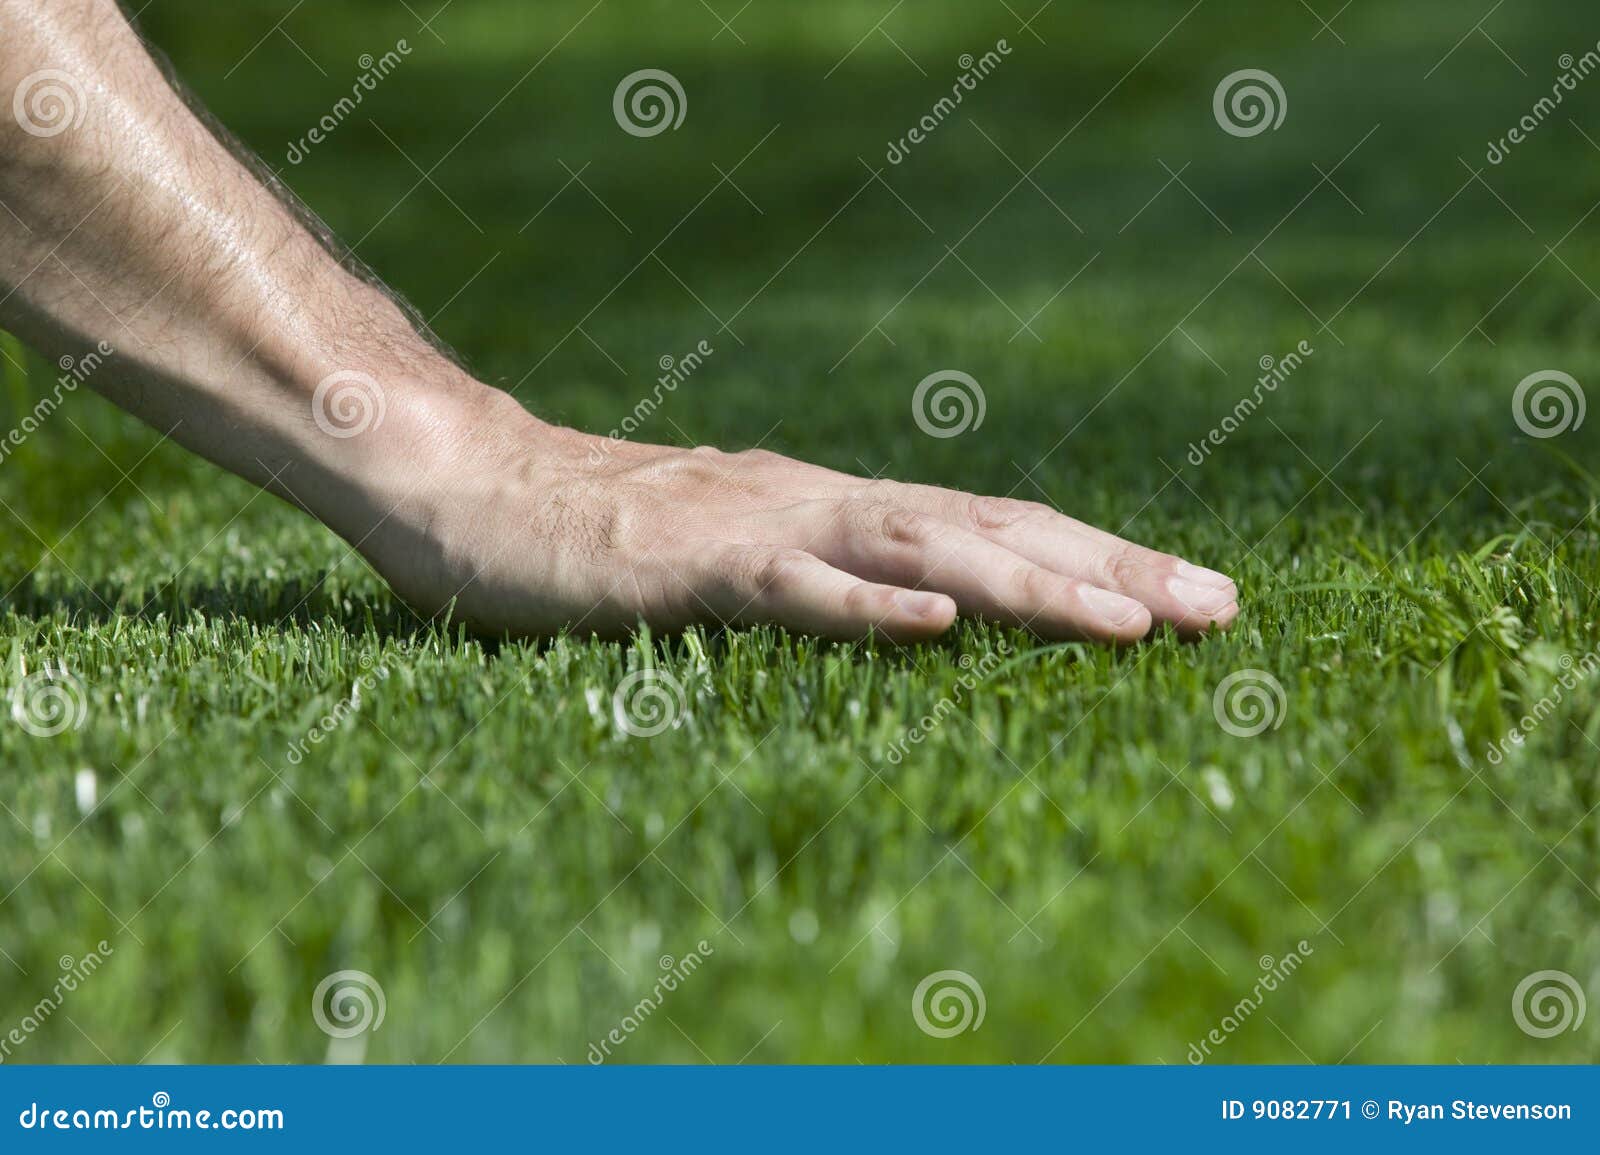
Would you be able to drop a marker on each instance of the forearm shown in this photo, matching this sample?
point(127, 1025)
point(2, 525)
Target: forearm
point(127, 225)
point(127, 222)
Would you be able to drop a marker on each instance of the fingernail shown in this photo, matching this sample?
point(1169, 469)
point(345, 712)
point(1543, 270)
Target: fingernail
point(1205, 577)
point(1202, 599)
point(919, 605)
point(1115, 608)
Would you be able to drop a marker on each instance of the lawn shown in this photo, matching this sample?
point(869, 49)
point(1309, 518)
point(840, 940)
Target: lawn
point(1076, 830)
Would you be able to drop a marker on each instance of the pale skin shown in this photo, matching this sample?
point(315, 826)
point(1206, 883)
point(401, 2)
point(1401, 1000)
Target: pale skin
point(135, 226)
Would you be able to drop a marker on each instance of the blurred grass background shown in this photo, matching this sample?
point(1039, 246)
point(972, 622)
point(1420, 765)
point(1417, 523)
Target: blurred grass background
point(1080, 837)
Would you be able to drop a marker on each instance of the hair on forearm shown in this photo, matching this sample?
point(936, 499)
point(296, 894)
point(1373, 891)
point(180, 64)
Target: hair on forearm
point(307, 217)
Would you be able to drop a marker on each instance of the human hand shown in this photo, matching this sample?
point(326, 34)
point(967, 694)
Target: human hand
point(530, 528)
point(461, 498)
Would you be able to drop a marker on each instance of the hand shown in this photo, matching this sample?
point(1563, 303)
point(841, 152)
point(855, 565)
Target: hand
point(529, 528)
point(248, 348)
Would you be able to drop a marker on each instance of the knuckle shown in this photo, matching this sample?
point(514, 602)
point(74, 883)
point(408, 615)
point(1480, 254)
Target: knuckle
point(780, 569)
point(904, 527)
point(1036, 584)
point(1002, 512)
point(1126, 568)
point(748, 573)
point(690, 469)
point(864, 600)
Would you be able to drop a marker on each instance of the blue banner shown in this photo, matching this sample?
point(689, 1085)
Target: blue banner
point(739, 1109)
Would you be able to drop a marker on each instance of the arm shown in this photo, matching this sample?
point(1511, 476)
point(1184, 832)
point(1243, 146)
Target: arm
point(128, 222)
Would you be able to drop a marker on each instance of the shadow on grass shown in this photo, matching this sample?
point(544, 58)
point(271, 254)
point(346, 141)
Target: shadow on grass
point(309, 606)
point(304, 604)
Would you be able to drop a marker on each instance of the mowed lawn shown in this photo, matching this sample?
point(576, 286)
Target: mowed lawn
point(1072, 828)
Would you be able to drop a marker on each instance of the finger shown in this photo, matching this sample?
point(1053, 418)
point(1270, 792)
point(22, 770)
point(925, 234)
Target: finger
point(1190, 597)
point(795, 589)
point(883, 542)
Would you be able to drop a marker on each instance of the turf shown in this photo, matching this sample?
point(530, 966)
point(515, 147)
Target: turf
point(1074, 830)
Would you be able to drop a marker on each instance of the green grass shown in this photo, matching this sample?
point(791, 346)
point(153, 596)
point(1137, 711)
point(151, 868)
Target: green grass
point(1079, 834)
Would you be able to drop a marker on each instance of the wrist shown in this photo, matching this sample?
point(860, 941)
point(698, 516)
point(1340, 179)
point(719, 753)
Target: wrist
point(394, 452)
